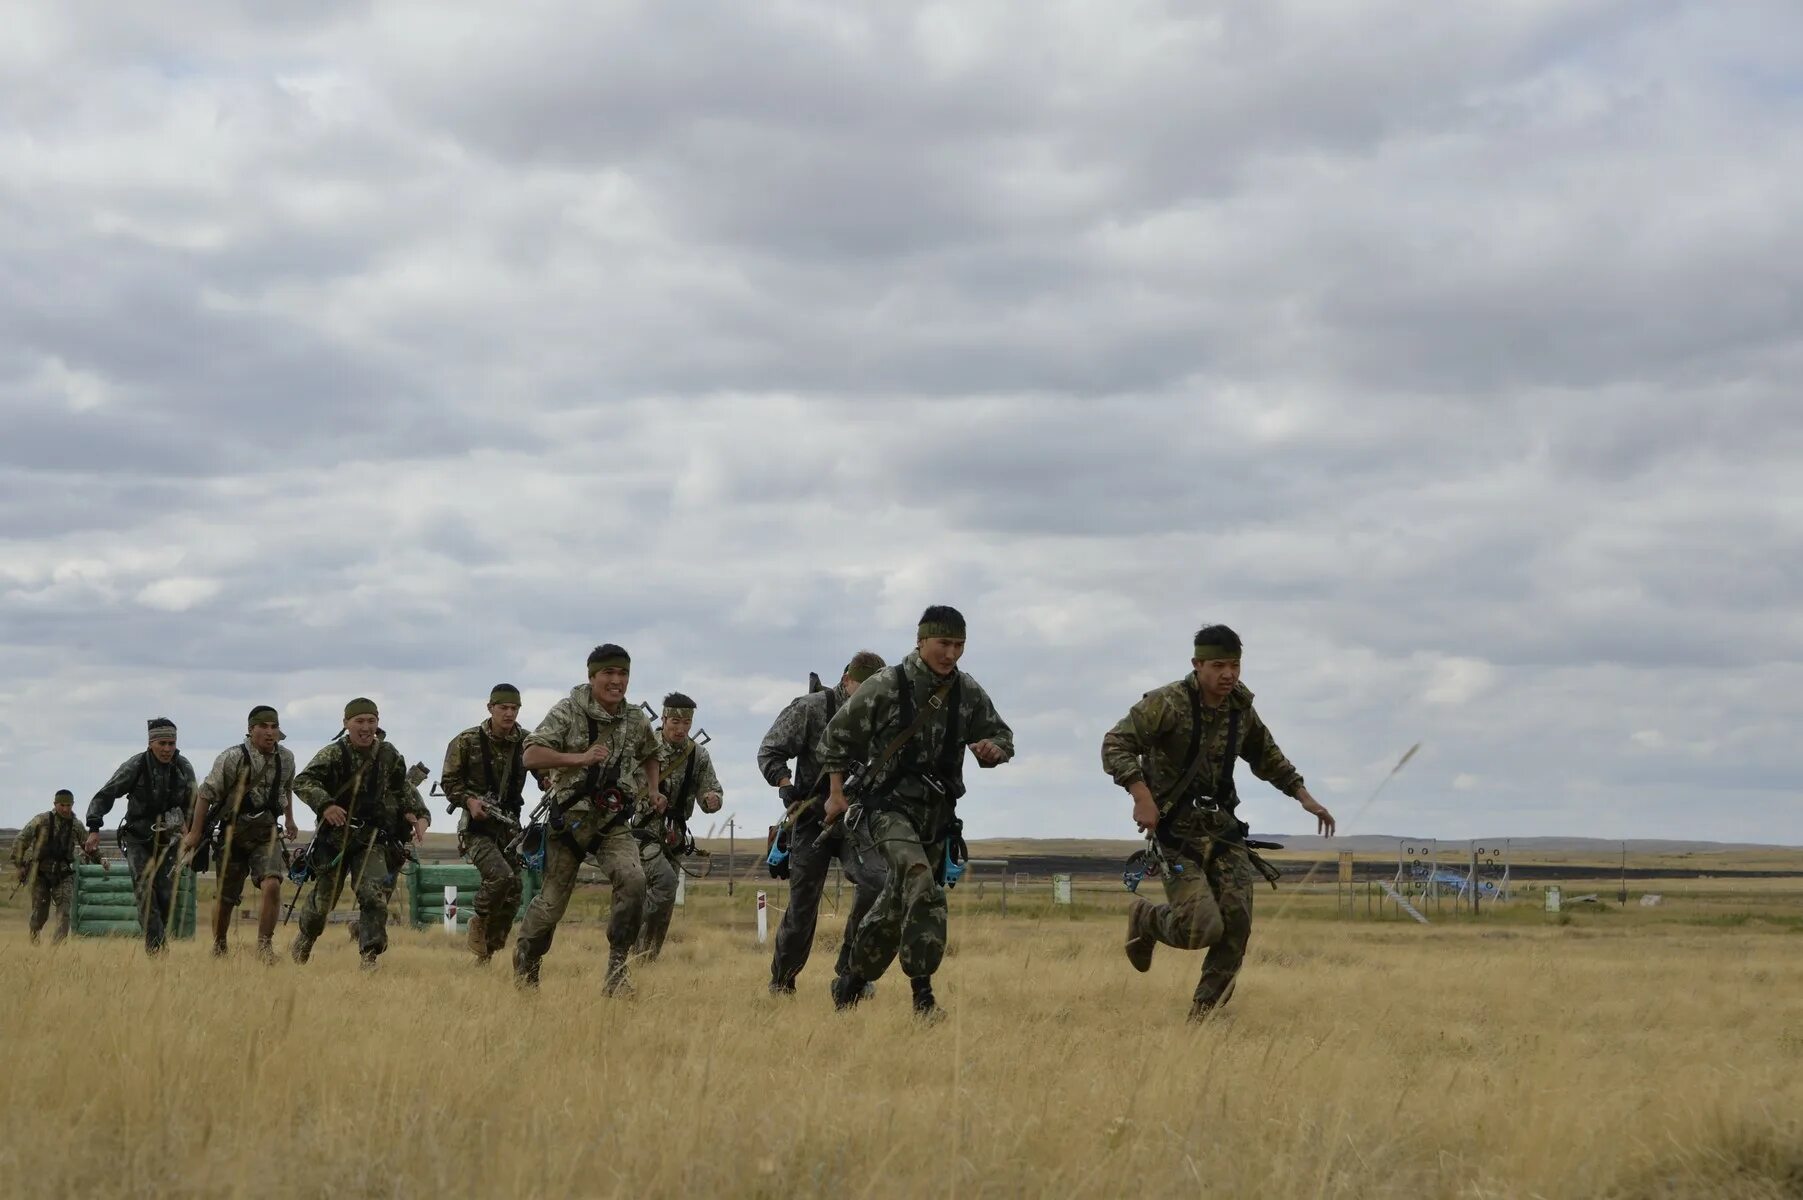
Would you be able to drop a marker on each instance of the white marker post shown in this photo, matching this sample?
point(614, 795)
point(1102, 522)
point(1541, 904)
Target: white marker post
point(680, 876)
point(763, 917)
point(450, 908)
point(1061, 889)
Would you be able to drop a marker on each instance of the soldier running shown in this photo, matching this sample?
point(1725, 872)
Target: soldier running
point(368, 807)
point(1174, 753)
point(662, 827)
point(794, 735)
point(604, 755)
point(159, 786)
point(45, 852)
point(908, 727)
point(249, 786)
point(485, 776)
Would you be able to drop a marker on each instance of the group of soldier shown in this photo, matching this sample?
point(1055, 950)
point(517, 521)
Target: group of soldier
point(870, 770)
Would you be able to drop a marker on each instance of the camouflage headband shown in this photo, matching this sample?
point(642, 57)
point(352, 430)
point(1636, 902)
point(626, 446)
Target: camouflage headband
point(502, 694)
point(678, 713)
point(1208, 652)
point(362, 706)
point(160, 728)
point(940, 629)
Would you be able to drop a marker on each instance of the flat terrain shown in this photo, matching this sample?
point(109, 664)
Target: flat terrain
point(1637, 1053)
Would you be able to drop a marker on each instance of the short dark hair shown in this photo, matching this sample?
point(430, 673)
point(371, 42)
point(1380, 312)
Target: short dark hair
point(1218, 635)
point(678, 700)
point(607, 650)
point(942, 614)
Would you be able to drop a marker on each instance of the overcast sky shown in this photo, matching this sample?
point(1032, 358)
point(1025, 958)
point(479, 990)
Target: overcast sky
point(1447, 352)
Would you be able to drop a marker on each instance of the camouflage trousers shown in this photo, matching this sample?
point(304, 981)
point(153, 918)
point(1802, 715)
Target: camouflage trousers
point(152, 863)
point(250, 852)
point(498, 899)
point(617, 853)
point(44, 893)
point(1209, 906)
point(371, 870)
point(660, 897)
point(808, 866)
point(908, 917)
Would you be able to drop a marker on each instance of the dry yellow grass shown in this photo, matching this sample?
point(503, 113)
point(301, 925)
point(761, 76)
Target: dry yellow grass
point(1512, 1058)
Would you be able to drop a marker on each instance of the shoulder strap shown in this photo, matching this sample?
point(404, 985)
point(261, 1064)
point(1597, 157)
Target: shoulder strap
point(1193, 756)
point(1224, 790)
point(914, 720)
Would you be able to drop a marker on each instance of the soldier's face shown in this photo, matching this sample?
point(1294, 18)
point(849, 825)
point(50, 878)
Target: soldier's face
point(503, 717)
point(941, 654)
point(163, 748)
point(360, 730)
point(677, 728)
point(609, 685)
point(263, 737)
point(65, 808)
point(1217, 676)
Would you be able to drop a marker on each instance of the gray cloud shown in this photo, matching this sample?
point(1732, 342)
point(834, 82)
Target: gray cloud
point(397, 352)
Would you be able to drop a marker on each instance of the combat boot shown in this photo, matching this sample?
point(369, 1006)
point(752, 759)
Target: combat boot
point(1140, 942)
point(478, 940)
point(619, 981)
point(266, 952)
point(847, 990)
point(925, 1007)
point(302, 949)
point(525, 967)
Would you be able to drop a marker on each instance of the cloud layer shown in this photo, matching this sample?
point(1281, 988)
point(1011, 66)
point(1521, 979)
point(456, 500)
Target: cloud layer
point(1447, 356)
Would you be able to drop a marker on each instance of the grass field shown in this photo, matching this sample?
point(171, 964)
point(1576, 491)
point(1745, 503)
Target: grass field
point(1646, 1052)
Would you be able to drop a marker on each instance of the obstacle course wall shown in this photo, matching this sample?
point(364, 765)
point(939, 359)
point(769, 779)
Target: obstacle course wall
point(106, 907)
point(425, 892)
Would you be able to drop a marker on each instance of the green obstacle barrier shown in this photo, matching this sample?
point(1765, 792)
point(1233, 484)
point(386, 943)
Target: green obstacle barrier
point(425, 892)
point(106, 907)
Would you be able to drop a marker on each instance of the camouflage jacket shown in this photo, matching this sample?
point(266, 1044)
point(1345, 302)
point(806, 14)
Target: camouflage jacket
point(1152, 743)
point(467, 771)
point(49, 845)
point(685, 778)
point(240, 785)
point(370, 785)
point(628, 733)
point(870, 719)
point(153, 788)
point(795, 734)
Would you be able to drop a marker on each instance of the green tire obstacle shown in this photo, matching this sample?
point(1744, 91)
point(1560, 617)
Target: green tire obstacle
point(425, 892)
point(106, 907)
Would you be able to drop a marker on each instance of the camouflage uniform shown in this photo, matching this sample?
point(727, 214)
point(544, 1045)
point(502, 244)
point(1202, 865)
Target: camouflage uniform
point(901, 821)
point(1209, 901)
point(245, 793)
point(372, 788)
point(794, 735)
point(586, 829)
point(480, 763)
point(46, 852)
point(160, 796)
point(687, 773)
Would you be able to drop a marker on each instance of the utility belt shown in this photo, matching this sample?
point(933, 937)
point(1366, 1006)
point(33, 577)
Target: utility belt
point(1197, 829)
point(166, 824)
point(609, 804)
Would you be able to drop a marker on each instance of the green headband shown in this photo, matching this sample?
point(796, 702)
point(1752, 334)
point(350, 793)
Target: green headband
point(262, 714)
point(944, 629)
point(860, 674)
point(612, 660)
point(360, 707)
point(65, 796)
point(1207, 652)
point(504, 695)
